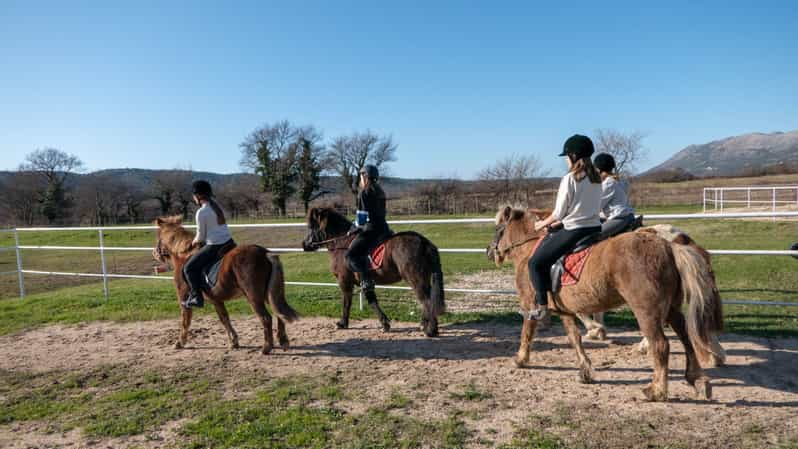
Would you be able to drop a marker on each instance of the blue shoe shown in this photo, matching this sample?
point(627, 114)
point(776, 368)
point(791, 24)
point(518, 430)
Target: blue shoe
point(195, 300)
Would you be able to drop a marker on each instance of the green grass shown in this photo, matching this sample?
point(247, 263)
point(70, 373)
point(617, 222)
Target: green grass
point(287, 412)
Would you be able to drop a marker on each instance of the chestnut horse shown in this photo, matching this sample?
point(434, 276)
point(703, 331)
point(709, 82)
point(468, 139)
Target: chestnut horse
point(247, 269)
point(637, 268)
point(597, 330)
point(409, 256)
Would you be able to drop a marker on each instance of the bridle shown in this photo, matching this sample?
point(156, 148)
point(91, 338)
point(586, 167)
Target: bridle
point(320, 233)
point(506, 250)
point(160, 250)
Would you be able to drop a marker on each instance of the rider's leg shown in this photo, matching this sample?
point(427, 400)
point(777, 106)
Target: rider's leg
point(615, 226)
point(192, 272)
point(357, 258)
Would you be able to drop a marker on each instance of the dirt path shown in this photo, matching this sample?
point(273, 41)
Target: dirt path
point(758, 387)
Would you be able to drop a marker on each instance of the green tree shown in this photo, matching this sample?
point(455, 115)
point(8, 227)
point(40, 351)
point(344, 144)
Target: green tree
point(308, 171)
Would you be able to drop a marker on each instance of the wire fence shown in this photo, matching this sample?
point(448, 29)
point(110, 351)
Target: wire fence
point(105, 275)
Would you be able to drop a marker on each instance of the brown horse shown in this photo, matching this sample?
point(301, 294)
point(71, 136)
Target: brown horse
point(640, 269)
point(247, 269)
point(409, 256)
point(597, 330)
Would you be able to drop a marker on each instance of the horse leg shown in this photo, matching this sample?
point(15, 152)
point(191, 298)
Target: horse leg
point(693, 373)
point(346, 285)
point(429, 322)
point(371, 297)
point(282, 337)
point(266, 320)
point(652, 329)
point(527, 333)
point(642, 347)
point(595, 326)
point(224, 317)
point(185, 323)
point(585, 368)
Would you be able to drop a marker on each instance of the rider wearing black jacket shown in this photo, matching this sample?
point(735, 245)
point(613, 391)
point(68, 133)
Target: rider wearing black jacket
point(370, 226)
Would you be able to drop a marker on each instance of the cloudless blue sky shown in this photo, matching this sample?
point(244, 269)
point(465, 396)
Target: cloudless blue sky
point(457, 84)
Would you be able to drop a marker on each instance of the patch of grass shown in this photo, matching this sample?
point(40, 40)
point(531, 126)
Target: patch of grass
point(533, 439)
point(397, 400)
point(471, 392)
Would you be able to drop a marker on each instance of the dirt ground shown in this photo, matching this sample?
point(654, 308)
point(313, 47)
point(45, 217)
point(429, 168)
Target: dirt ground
point(758, 389)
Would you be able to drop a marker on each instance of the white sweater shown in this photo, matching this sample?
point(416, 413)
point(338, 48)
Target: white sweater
point(578, 203)
point(614, 201)
point(208, 228)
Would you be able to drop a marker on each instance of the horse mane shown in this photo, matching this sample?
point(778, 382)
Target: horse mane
point(336, 223)
point(177, 238)
point(507, 213)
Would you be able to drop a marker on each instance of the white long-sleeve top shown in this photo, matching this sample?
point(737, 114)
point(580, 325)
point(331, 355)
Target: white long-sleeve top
point(614, 199)
point(208, 228)
point(578, 203)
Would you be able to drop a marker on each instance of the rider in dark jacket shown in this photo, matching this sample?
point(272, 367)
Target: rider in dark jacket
point(370, 225)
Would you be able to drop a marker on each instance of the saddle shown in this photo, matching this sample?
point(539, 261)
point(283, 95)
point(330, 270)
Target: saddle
point(568, 268)
point(211, 272)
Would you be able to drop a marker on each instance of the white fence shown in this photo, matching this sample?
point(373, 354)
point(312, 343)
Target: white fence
point(774, 196)
point(105, 275)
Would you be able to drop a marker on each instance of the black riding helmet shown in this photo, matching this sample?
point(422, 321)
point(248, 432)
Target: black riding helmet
point(604, 162)
point(577, 147)
point(201, 187)
point(370, 171)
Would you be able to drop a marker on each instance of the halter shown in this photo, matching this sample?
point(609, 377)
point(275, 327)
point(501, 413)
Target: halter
point(160, 250)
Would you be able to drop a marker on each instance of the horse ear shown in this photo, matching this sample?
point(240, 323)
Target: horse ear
point(540, 214)
point(507, 213)
point(159, 222)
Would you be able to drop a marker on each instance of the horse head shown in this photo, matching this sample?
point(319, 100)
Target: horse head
point(324, 224)
point(173, 238)
point(514, 227)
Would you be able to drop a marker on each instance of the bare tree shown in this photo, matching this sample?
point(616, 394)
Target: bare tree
point(22, 197)
point(54, 166)
point(348, 154)
point(627, 149)
point(514, 179)
point(172, 190)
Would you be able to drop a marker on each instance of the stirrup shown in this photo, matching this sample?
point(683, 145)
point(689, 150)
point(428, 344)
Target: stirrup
point(194, 301)
point(537, 314)
point(367, 284)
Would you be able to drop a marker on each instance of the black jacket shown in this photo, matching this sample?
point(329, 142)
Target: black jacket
point(372, 200)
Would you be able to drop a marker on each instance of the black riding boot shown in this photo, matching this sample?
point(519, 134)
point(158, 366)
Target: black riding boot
point(194, 299)
point(367, 287)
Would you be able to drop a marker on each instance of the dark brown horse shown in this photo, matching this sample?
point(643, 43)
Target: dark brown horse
point(246, 269)
point(652, 276)
point(409, 256)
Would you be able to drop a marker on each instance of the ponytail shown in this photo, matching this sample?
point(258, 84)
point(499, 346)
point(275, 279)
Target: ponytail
point(220, 218)
point(584, 167)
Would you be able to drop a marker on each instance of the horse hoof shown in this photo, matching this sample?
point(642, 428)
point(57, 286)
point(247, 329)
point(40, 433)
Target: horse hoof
point(596, 334)
point(284, 344)
point(342, 325)
point(431, 332)
point(178, 345)
point(520, 360)
point(386, 326)
point(585, 376)
point(703, 389)
point(266, 350)
point(234, 345)
point(655, 395)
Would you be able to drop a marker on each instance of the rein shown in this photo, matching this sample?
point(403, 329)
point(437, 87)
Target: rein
point(333, 240)
point(515, 245)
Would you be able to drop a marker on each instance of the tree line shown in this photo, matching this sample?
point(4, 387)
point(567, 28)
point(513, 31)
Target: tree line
point(287, 165)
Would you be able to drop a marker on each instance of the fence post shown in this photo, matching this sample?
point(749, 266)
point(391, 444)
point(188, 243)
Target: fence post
point(360, 296)
point(774, 202)
point(748, 192)
point(721, 200)
point(20, 275)
point(705, 200)
point(102, 261)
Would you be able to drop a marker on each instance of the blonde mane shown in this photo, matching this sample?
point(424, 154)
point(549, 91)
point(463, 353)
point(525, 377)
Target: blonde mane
point(173, 235)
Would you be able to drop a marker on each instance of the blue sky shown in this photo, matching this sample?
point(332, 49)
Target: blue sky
point(457, 84)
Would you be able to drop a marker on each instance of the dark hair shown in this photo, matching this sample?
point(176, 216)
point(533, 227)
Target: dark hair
point(220, 218)
point(584, 167)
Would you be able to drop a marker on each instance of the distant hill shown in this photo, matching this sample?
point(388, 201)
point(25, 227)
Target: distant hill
point(733, 156)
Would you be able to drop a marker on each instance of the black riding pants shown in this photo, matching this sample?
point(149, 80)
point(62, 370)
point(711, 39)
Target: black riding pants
point(192, 270)
point(357, 256)
point(615, 226)
point(553, 246)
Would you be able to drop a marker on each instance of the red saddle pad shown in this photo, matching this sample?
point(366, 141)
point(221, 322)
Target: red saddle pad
point(377, 255)
point(574, 264)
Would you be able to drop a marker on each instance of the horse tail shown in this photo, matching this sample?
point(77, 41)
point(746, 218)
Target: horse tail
point(276, 291)
point(705, 310)
point(436, 281)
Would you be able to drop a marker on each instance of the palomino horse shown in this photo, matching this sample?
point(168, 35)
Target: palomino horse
point(247, 269)
point(640, 269)
point(409, 256)
point(717, 357)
